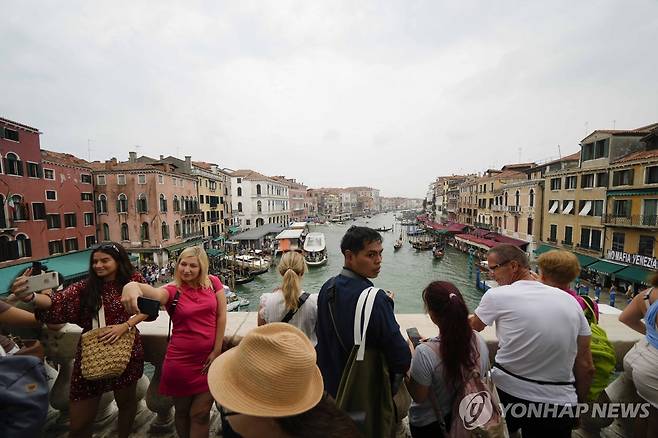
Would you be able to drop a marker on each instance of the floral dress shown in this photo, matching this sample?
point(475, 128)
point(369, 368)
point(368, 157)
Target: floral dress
point(66, 308)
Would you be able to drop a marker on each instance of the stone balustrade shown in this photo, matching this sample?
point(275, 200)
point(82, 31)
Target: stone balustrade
point(158, 410)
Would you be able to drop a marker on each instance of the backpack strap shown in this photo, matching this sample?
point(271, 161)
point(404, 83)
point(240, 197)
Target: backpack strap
point(172, 310)
point(526, 379)
point(300, 301)
point(331, 290)
point(364, 305)
point(434, 345)
point(590, 314)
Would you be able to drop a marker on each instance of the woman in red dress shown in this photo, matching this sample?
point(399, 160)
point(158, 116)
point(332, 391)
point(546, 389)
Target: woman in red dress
point(199, 320)
point(109, 270)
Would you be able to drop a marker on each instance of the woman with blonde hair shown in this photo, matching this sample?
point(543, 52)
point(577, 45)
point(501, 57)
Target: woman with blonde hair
point(196, 305)
point(289, 303)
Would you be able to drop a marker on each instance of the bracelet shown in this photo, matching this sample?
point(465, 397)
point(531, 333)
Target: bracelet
point(130, 327)
point(34, 297)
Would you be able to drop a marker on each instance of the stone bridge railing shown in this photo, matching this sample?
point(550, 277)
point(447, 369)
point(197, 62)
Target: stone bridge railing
point(158, 410)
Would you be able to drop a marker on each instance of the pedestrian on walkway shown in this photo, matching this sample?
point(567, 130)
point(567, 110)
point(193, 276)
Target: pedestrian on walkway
point(613, 295)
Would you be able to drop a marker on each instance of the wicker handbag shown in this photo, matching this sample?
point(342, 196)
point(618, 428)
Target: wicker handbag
point(105, 361)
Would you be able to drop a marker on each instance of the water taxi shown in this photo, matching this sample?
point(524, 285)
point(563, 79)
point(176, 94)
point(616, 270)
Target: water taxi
point(315, 249)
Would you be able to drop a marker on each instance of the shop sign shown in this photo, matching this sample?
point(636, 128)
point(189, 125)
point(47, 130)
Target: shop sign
point(632, 259)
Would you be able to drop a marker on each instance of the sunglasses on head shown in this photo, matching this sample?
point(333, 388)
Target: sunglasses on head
point(106, 246)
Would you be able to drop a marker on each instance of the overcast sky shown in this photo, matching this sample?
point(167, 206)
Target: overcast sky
point(383, 93)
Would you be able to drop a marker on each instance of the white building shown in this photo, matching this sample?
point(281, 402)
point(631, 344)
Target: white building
point(257, 200)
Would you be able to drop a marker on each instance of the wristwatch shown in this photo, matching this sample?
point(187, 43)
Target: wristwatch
point(130, 327)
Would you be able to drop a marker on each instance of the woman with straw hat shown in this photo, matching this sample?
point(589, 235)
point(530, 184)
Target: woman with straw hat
point(289, 303)
point(197, 309)
point(269, 385)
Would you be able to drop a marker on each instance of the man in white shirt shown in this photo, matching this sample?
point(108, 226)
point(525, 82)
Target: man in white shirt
point(544, 355)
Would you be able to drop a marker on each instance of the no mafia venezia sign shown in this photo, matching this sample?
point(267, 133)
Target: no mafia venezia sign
point(632, 259)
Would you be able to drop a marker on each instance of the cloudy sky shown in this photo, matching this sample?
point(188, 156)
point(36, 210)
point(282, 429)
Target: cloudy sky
point(382, 93)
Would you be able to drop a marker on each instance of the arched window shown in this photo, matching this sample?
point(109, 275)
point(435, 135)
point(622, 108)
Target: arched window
point(506, 201)
point(165, 231)
point(23, 246)
point(176, 203)
point(124, 232)
point(101, 204)
point(20, 209)
point(240, 207)
point(517, 198)
point(5, 253)
point(260, 222)
point(142, 205)
point(532, 198)
point(144, 231)
point(13, 166)
point(122, 204)
point(163, 203)
point(3, 213)
point(195, 205)
point(259, 206)
point(177, 228)
point(106, 232)
point(258, 189)
point(239, 191)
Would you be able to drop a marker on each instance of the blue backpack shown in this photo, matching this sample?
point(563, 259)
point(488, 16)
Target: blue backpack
point(23, 396)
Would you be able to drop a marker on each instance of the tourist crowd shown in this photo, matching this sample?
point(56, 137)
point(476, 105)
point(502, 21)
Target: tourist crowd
point(335, 363)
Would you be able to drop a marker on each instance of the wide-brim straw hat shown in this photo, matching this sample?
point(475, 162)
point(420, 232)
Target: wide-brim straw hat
point(271, 373)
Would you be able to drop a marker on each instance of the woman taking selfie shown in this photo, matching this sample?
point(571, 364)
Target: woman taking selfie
point(197, 307)
point(109, 270)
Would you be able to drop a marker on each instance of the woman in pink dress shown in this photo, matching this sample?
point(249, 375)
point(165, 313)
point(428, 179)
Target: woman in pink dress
point(197, 308)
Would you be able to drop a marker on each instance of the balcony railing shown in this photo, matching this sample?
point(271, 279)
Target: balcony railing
point(498, 207)
point(636, 220)
point(516, 209)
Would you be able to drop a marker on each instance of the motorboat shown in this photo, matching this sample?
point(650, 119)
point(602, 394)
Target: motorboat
point(438, 252)
point(383, 229)
point(254, 264)
point(315, 249)
point(234, 302)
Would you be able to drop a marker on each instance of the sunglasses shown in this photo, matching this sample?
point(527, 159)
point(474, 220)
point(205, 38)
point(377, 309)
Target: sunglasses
point(106, 246)
point(494, 267)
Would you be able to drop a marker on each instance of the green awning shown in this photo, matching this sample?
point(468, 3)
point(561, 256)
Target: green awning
point(212, 252)
point(441, 232)
point(603, 267)
point(233, 230)
point(182, 245)
point(635, 273)
point(133, 258)
point(71, 266)
point(218, 239)
point(541, 249)
point(635, 192)
point(585, 260)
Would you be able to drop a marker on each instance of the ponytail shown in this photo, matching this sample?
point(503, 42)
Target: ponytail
point(443, 300)
point(291, 267)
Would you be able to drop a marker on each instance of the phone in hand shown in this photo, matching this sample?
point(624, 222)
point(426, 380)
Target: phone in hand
point(149, 307)
point(37, 283)
point(414, 336)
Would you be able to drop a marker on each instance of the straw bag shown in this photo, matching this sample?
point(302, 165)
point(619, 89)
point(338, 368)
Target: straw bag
point(105, 361)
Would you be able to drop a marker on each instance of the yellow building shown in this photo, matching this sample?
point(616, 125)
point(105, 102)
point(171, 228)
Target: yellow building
point(631, 220)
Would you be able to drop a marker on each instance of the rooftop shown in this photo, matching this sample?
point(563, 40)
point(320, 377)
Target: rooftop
point(64, 158)
point(19, 125)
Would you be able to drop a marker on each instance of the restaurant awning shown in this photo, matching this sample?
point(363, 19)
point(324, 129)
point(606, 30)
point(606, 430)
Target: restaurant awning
point(541, 249)
point(212, 252)
point(635, 273)
point(585, 260)
point(70, 266)
point(603, 267)
point(183, 245)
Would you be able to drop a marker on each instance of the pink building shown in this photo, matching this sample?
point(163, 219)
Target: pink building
point(152, 209)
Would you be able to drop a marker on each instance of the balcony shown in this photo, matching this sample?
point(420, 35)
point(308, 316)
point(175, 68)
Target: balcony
point(514, 209)
point(636, 220)
point(498, 208)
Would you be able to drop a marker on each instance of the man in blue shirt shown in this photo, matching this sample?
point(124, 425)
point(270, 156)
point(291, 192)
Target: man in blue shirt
point(362, 249)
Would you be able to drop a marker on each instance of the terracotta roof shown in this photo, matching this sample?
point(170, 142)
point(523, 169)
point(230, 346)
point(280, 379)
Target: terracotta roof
point(63, 158)
point(203, 165)
point(109, 166)
point(20, 125)
point(639, 155)
point(638, 131)
point(573, 157)
point(251, 174)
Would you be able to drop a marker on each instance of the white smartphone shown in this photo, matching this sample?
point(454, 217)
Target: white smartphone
point(37, 283)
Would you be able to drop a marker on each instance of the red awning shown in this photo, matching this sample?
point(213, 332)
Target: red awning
point(456, 228)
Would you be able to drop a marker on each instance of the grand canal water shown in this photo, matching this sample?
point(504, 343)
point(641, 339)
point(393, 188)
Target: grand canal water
point(405, 272)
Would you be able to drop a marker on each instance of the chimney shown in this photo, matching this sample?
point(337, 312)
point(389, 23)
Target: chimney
point(188, 163)
point(132, 157)
point(161, 157)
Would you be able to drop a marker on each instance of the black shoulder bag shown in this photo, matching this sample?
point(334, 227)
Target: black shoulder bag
point(302, 299)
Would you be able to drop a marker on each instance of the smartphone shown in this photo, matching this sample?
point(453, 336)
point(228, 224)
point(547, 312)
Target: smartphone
point(414, 336)
point(37, 283)
point(149, 306)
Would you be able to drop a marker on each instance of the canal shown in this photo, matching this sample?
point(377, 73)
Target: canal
point(405, 272)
